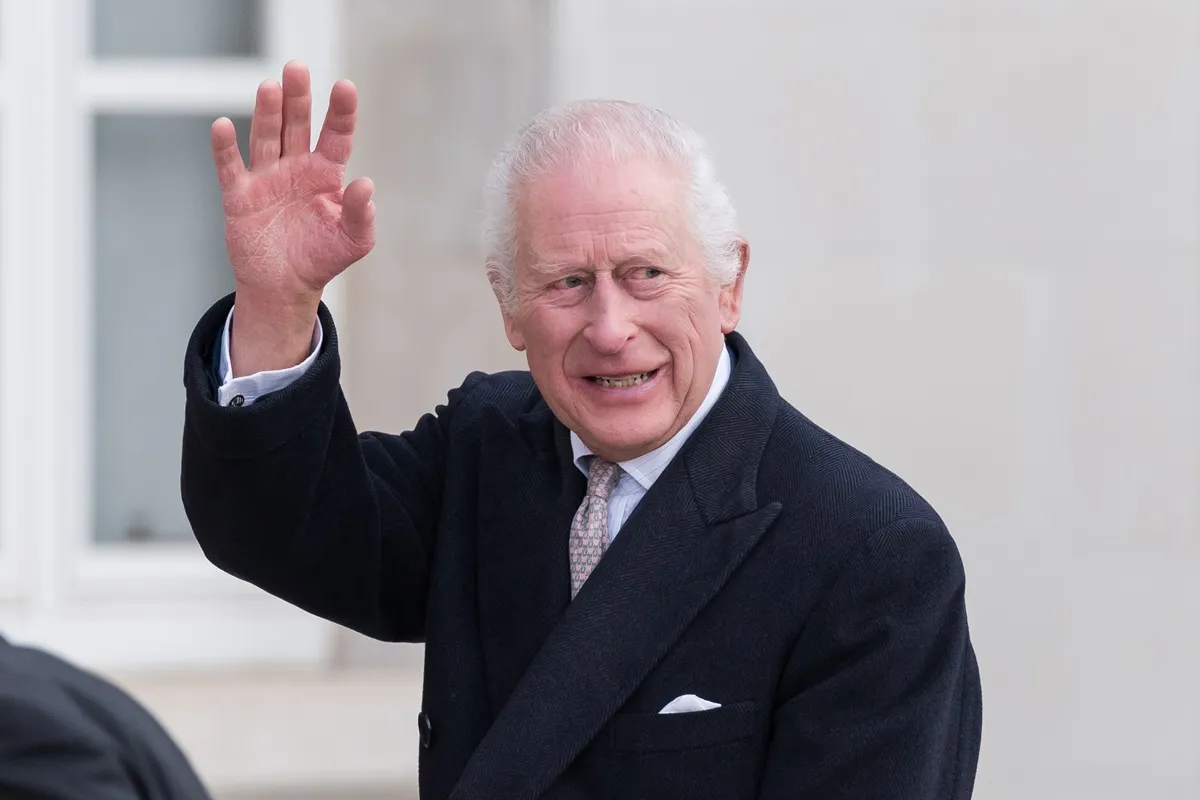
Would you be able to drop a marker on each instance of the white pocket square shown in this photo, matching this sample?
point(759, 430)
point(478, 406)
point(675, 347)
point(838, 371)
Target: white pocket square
point(688, 702)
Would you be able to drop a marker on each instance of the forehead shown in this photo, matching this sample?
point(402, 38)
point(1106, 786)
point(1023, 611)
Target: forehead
point(603, 212)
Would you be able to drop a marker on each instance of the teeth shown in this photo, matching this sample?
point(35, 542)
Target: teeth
point(624, 381)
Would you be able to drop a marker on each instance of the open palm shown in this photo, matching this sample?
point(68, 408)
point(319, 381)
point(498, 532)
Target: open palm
point(290, 225)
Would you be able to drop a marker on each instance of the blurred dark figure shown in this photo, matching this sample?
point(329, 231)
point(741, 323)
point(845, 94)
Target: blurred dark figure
point(68, 734)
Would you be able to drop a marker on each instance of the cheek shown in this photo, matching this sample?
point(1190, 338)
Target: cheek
point(690, 327)
point(691, 317)
point(548, 335)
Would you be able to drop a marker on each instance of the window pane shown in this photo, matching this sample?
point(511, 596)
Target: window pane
point(160, 262)
point(177, 28)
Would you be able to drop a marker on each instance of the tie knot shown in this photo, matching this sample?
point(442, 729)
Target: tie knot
point(602, 477)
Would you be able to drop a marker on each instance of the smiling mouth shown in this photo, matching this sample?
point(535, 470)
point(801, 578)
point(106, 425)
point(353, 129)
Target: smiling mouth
point(622, 381)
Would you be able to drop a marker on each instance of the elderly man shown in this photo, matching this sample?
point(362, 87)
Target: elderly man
point(637, 571)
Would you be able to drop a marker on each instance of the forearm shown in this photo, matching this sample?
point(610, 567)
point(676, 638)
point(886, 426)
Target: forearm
point(286, 494)
point(308, 522)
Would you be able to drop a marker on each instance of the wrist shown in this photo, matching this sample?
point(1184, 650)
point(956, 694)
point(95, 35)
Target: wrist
point(275, 302)
point(271, 332)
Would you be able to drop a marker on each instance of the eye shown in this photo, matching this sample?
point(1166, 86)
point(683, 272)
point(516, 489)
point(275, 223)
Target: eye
point(571, 282)
point(651, 272)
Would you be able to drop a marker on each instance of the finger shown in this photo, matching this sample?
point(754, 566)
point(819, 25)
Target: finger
point(358, 212)
point(338, 131)
point(266, 125)
point(226, 156)
point(297, 109)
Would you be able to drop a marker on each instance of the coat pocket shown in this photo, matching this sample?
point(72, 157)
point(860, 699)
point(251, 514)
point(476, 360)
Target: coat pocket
point(650, 733)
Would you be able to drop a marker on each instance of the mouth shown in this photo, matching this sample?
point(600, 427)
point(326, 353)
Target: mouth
point(622, 381)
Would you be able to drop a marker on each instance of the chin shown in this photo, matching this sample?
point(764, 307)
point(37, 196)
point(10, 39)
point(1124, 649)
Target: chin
point(622, 440)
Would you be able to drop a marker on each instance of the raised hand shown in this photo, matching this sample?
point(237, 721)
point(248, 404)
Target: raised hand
point(290, 225)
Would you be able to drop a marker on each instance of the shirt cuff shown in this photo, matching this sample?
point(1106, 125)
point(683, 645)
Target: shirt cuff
point(245, 390)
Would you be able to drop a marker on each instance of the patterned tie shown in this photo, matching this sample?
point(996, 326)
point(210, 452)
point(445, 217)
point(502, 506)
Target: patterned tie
point(589, 530)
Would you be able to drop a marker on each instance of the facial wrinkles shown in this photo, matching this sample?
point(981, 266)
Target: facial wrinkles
point(605, 253)
point(612, 318)
point(567, 225)
point(619, 226)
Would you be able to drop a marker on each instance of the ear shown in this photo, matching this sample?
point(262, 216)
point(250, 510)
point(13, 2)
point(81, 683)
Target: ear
point(512, 327)
point(731, 296)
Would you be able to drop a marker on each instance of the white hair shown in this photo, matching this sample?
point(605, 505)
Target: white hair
point(566, 136)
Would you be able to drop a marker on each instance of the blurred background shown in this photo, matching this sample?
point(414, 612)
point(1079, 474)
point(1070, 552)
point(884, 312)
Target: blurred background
point(975, 240)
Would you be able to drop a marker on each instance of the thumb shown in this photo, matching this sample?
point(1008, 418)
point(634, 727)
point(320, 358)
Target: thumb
point(358, 213)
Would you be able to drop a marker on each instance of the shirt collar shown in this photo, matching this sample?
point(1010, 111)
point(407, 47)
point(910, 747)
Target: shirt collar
point(646, 468)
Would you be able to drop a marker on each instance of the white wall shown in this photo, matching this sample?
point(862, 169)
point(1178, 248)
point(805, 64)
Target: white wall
point(974, 239)
point(442, 84)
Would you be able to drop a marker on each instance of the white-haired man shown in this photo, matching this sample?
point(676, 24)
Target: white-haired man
point(637, 571)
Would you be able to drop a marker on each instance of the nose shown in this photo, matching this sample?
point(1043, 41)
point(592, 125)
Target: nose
point(610, 324)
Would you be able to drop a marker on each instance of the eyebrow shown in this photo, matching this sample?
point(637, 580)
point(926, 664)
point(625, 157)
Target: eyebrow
point(649, 257)
point(549, 267)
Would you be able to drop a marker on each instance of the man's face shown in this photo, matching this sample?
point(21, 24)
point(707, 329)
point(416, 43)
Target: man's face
point(621, 324)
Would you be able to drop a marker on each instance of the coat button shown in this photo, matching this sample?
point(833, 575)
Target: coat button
point(425, 725)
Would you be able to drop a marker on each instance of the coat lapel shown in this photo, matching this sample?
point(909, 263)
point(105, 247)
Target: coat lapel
point(688, 535)
point(525, 509)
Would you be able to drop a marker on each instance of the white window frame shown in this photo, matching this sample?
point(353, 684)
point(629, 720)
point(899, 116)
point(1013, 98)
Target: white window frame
point(114, 605)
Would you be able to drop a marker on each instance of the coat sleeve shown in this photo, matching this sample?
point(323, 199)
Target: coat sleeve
point(881, 698)
point(287, 495)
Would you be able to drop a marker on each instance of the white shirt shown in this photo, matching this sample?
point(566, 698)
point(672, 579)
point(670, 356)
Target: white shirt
point(251, 387)
point(637, 474)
